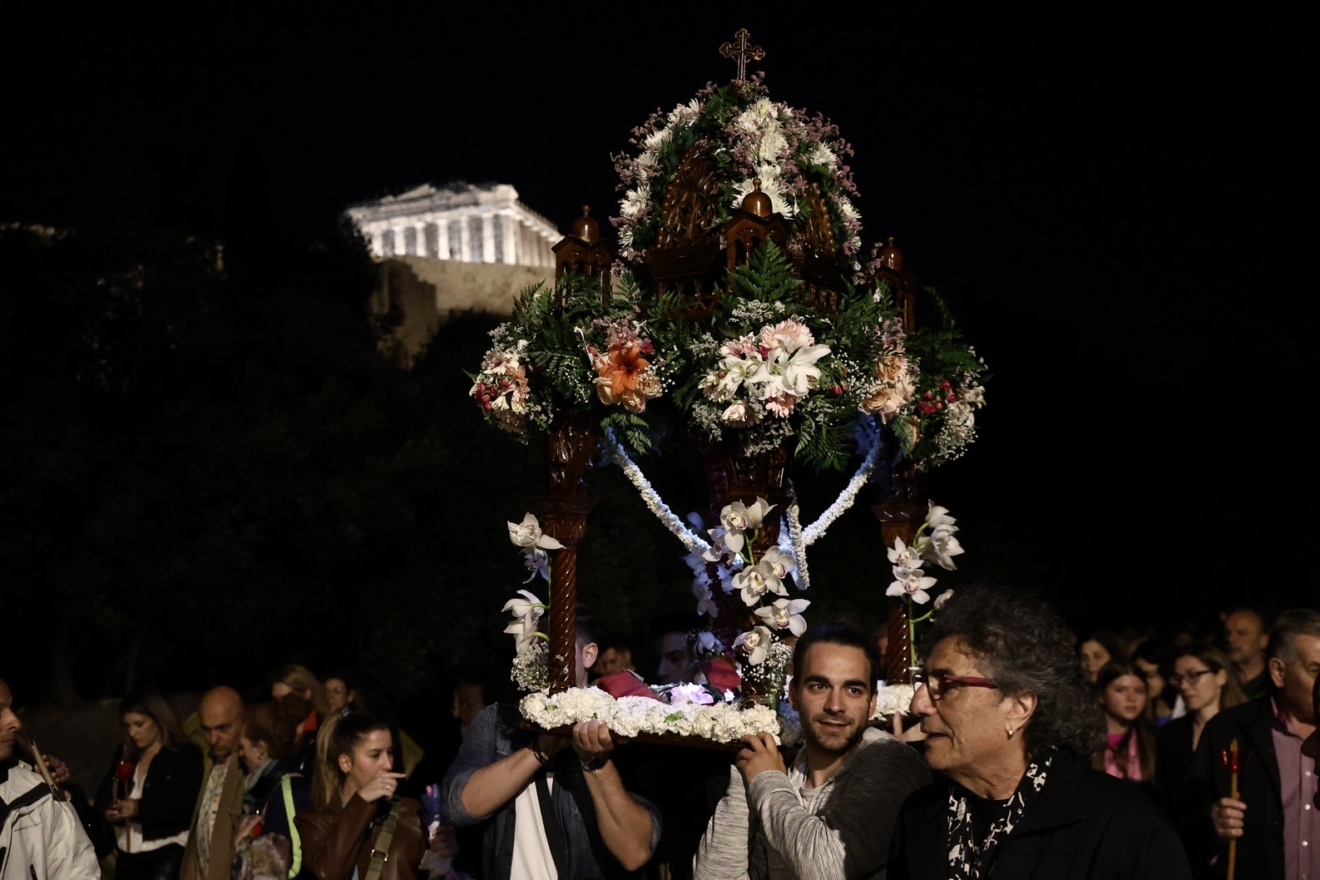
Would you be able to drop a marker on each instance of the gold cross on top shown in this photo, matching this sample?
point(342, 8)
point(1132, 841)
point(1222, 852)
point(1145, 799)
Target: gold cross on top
point(741, 51)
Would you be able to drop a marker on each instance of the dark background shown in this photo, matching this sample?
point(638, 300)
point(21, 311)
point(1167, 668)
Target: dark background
point(1120, 208)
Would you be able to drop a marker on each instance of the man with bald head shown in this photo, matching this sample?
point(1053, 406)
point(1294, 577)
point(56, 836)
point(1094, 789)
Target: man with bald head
point(220, 802)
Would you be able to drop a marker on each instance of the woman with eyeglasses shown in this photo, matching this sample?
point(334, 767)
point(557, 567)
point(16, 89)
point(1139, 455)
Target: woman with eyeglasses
point(1130, 750)
point(1011, 727)
point(1204, 679)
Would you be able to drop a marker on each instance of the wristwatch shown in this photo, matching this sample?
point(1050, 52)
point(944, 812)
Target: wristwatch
point(596, 763)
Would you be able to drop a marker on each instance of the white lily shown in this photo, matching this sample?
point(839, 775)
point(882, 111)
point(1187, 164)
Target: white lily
point(785, 614)
point(757, 580)
point(528, 534)
point(794, 373)
point(756, 642)
point(527, 614)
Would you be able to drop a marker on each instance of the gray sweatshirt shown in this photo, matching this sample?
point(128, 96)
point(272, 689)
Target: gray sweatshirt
point(769, 830)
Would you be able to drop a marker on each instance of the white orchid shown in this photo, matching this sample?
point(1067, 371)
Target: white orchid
point(707, 644)
point(942, 599)
point(785, 614)
point(526, 616)
point(705, 604)
point(744, 517)
point(903, 556)
point(528, 534)
point(779, 562)
point(912, 583)
point(757, 580)
point(722, 543)
point(756, 642)
point(537, 562)
point(942, 545)
point(938, 516)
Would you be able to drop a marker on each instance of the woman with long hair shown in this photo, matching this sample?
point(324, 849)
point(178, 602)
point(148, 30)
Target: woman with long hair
point(149, 792)
point(1097, 650)
point(1129, 754)
point(354, 799)
point(1205, 680)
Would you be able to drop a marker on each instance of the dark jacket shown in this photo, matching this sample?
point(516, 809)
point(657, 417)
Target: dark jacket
point(338, 842)
point(168, 793)
point(496, 733)
point(1084, 826)
point(1179, 795)
point(1260, 848)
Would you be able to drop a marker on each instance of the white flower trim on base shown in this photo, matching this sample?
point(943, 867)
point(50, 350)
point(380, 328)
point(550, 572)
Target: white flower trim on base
point(892, 699)
point(629, 716)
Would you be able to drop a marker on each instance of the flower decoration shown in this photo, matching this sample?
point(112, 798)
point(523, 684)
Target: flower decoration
point(797, 157)
point(527, 613)
point(755, 643)
point(534, 543)
point(785, 614)
point(934, 541)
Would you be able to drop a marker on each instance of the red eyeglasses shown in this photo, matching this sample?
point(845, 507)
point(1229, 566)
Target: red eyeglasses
point(938, 684)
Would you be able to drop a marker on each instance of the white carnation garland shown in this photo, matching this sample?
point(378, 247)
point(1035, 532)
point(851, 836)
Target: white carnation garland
point(629, 716)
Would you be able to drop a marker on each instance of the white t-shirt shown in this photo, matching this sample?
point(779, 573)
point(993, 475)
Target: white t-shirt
point(531, 848)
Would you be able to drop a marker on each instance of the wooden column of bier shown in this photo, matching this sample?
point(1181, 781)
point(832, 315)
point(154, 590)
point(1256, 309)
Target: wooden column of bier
point(733, 476)
point(569, 447)
point(899, 518)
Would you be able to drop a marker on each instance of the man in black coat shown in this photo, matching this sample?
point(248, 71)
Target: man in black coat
point(1272, 842)
point(1011, 725)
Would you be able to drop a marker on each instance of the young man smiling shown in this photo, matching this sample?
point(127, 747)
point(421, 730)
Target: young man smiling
point(831, 813)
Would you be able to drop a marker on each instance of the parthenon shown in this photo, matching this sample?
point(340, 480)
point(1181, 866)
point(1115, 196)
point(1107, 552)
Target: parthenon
point(469, 223)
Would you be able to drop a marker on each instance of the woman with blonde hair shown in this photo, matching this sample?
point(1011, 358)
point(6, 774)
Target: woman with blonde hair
point(355, 803)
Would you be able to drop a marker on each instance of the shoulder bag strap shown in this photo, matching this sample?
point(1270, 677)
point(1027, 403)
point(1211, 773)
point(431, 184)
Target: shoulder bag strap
point(380, 851)
point(554, 835)
point(295, 839)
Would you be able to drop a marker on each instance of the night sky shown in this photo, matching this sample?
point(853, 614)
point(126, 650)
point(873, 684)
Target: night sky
point(1121, 209)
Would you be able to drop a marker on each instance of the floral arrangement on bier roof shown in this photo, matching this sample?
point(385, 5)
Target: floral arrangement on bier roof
point(798, 158)
point(571, 347)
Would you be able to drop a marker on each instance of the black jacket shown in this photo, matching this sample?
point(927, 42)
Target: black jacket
point(1260, 848)
point(169, 792)
point(1084, 826)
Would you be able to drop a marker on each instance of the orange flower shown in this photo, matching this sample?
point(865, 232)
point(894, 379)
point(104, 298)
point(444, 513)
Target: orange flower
point(622, 377)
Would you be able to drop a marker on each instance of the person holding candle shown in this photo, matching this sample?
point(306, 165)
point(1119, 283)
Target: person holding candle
point(147, 794)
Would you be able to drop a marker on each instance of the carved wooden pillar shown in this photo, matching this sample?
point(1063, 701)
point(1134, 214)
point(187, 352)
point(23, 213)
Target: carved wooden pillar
point(733, 476)
point(899, 518)
point(569, 447)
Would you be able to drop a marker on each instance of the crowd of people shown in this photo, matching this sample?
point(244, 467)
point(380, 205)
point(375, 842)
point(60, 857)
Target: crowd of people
point(1026, 753)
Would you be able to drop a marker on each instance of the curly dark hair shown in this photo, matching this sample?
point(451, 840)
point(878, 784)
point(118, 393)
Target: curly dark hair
point(1026, 648)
